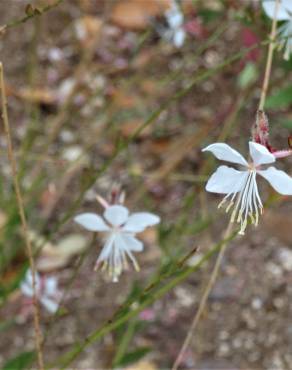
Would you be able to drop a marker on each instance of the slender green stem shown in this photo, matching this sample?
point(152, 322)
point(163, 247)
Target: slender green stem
point(34, 13)
point(124, 344)
point(204, 299)
point(145, 299)
point(149, 121)
point(21, 210)
point(269, 58)
point(67, 288)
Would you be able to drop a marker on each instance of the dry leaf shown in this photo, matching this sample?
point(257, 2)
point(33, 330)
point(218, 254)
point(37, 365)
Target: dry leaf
point(158, 145)
point(142, 365)
point(136, 14)
point(53, 257)
point(3, 219)
point(150, 87)
point(123, 100)
point(86, 6)
point(88, 30)
point(150, 236)
point(178, 151)
point(36, 95)
point(143, 58)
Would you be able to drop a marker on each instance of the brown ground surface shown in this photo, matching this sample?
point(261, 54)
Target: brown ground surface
point(248, 321)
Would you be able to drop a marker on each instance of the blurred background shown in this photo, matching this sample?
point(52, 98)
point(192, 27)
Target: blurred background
point(105, 93)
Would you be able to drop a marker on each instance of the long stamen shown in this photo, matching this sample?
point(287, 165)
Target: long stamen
point(248, 203)
point(244, 205)
point(113, 259)
point(235, 211)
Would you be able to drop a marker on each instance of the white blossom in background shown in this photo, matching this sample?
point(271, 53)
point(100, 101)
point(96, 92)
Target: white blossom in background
point(175, 19)
point(119, 229)
point(284, 13)
point(240, 186)
point(46, 290)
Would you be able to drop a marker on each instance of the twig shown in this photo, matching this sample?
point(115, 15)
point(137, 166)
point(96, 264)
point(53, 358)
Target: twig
point(33, 13)
point(67, 288)
point(151, 119)
point(204, 299)
point(269, 58)
point(145, 299)
point(10, 152)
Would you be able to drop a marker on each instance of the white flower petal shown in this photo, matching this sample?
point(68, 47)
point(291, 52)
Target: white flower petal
point(138, 222)
point(50, 304)
point(175, 20)
point(226, 153)
point(128, 243)
point(279, 180)
point(179, 37)
point(26, 285)
point(260, 154)
point(282, 14)
point(107, 249)
point(26, 289)
point(91, 222)
point(226, 180)
point(51, 285)
point(287, 4)
point(116, 215)
point(28, 278)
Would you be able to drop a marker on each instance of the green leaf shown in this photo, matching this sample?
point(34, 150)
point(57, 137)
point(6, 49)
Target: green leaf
point(209, 15)
point(134, 356)
point(20, 362)
point(4, 325)
point(281, 99)
point(287, 123)
point(247, 76)
point(287, 64)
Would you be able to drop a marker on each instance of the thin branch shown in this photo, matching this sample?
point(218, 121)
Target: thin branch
point(151, 119)
point(11, 157)
point(33, 13)
point(269, 58)
point(204, 299)
point(145, 299)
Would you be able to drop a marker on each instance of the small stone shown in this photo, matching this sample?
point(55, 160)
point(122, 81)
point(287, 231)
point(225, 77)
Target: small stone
point(224, 349)
point(285, 258)
point(72, 153)
point(257, 303)
point(274, 269)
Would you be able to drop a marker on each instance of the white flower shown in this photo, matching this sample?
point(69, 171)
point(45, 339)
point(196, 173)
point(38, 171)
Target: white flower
point(284, 13)
point(119, 231)
point(175, 20)
point(46, 290)
point(242, 183)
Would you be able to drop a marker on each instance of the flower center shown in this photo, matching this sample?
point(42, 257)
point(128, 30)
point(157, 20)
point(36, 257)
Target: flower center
point(248, 202)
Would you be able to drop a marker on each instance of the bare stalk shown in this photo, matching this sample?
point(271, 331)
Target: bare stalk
point(29, 251)
point(204, 298)
point(269, 57)
point(33, 13)
point(215, 271)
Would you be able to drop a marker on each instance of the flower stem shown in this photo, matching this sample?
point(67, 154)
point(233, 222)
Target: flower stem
point(200, 77)
point(10, 153)
point(146, 298)
point(204, 298)
point(269, 58)
point(38, 11)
